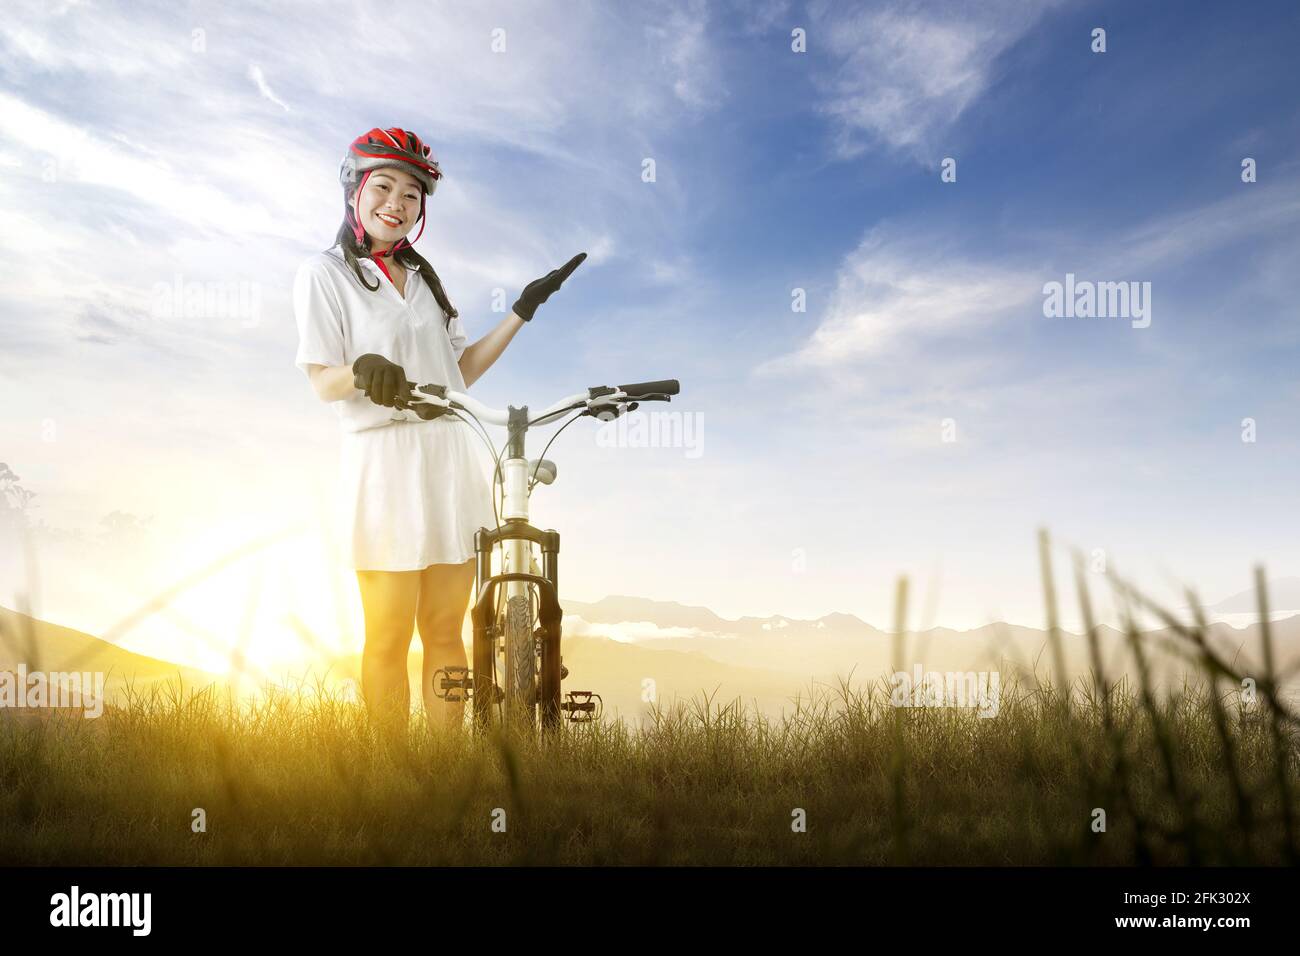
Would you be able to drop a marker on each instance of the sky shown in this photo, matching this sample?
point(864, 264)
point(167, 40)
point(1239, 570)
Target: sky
point(870, 386)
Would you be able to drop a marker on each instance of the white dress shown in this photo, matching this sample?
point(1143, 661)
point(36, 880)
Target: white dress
point(412, 492)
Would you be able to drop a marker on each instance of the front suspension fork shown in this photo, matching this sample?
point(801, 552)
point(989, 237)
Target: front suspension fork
point(484, 616)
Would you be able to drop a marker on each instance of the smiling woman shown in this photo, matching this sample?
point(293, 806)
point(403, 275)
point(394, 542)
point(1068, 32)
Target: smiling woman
point(416, 485)
point(414, 488)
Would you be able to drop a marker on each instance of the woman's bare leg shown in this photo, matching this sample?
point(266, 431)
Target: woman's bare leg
point(389, 600)
point(440, 616)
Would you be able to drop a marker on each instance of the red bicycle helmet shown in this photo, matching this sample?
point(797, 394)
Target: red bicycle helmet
point(390, 147)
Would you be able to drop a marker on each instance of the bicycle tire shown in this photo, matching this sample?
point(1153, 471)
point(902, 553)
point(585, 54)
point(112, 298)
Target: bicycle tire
point(521, 664)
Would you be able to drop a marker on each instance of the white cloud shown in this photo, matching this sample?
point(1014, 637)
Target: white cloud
point(1249, 211)
point(897, 289)
point(77, 37)
point(255, 74)
point(81, 156)
point(630, 632)
point(900, 289)
point(692, 66)
point(904, 73)
point(760, 16)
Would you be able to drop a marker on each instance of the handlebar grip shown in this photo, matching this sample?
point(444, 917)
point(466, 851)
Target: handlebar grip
point(669, 386)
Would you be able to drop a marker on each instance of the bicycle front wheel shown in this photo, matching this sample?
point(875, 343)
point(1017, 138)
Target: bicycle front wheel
point(520, 664)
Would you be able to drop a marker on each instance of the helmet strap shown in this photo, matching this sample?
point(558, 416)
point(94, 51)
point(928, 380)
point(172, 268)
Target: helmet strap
point(402, 243)
point(358, 231)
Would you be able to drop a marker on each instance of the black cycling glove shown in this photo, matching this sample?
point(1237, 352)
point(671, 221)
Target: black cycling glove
point(539, 290)
point(428, 411)
point(384, 382)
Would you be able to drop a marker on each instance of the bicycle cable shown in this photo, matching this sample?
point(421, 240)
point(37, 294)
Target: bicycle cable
point(532, 482)
point(481, 432)
point(496, 472)
point(497, 478)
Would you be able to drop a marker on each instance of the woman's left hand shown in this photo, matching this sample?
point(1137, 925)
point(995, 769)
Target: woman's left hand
point(539, 290)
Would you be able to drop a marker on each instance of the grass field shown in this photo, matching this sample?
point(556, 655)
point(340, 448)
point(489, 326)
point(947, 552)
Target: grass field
point(1205, 774)
point(300, 781)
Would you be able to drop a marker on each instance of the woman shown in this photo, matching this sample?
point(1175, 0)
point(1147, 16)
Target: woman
point(415, 487)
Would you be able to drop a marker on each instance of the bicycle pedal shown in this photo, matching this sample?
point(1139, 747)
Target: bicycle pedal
point(582, 706)
point(456, 686)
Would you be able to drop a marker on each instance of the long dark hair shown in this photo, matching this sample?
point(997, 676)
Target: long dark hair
point(353, 250)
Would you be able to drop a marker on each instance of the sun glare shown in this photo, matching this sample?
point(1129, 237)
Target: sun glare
point(241, 601)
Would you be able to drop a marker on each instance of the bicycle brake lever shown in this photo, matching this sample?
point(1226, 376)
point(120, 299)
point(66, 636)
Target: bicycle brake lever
point(429, 395)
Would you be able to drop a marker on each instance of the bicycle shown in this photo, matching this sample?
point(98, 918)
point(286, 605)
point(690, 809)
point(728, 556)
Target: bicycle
point(526, 640)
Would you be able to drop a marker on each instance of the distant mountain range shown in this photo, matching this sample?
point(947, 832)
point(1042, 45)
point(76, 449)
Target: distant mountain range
point(634, 650)
point(835, 642)
point(1283, 595)
point(49, 647)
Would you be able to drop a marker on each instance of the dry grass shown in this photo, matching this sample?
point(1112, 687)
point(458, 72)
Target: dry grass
point(1203, 775)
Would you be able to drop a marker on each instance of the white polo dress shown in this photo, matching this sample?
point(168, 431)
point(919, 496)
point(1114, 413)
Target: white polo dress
point(412, 492)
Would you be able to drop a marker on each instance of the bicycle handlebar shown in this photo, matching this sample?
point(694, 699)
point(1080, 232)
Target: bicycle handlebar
point(668, 386)
point(599, 396)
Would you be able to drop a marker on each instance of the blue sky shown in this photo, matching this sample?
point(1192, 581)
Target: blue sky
point(133, 154)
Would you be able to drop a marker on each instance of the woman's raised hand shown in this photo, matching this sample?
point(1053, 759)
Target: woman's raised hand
point(539, 290)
